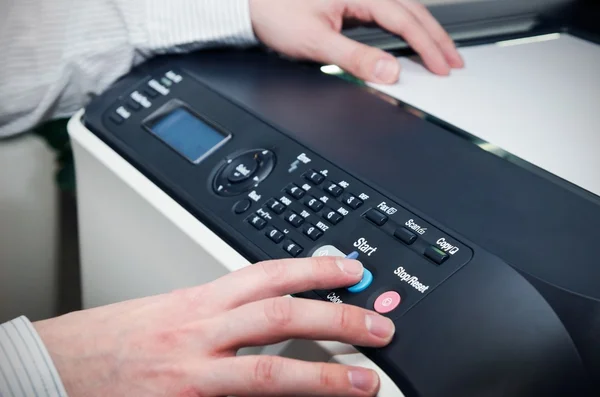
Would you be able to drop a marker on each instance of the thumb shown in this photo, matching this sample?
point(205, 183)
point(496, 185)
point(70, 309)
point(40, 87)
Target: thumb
point(365, 62)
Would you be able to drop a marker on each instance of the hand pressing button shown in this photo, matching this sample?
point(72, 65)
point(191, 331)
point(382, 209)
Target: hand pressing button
point(363, 284)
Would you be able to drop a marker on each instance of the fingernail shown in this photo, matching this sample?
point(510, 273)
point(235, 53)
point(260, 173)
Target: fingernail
point(362, 379)
point(386, 70)
point(350, 266)
point(381, 327)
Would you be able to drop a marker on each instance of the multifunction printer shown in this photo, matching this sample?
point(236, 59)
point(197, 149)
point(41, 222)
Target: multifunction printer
point(488, 266)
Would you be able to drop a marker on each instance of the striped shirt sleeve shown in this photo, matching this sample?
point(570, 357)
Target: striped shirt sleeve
point(57, 54)
point(26, 368)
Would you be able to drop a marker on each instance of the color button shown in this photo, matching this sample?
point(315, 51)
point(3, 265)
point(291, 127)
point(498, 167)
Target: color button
point(363, 284)
point(387, 302)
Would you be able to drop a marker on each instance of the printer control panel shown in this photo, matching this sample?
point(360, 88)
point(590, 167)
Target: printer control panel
point(319, 210)
point(272, 197)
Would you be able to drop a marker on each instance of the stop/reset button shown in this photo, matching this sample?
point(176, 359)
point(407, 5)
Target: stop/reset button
point(387, 302)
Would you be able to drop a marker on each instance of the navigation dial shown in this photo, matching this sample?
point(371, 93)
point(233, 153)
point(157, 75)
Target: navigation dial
point(243, 171)
point(242, 168)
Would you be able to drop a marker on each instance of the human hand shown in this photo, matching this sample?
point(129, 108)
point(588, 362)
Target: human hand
point(310, 29)
point(184, 343)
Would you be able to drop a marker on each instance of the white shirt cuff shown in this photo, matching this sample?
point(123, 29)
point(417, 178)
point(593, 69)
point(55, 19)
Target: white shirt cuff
point(160, 26)
point(26, 368)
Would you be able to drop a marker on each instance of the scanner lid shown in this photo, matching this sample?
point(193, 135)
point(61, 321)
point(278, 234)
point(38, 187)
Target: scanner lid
point(476, 20)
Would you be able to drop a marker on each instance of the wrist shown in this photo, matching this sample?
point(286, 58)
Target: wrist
point(74, 353)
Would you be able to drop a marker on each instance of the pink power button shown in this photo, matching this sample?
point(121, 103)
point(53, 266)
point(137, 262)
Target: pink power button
point(387, 302)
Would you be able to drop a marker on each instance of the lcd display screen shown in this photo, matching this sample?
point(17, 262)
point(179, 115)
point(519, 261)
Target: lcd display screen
point(187, 134)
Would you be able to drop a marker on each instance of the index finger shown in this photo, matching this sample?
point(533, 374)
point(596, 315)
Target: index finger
point(396, 18)
point(280, 277)
point(437, 32)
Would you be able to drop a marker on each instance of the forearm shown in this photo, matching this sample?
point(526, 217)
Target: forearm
point(56, 54)
point(26, 368)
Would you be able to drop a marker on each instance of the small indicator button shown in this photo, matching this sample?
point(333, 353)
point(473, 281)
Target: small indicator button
point(275, 235)
point(242, 206)
point(436, 255)
point(363, 284)
point(376, 217)
point(258, 222)
point(292, 248)
point(133, 105)
point(314, 177)
point(115, 118)
point(387, 302)
point(150, 92)
point(405, 235)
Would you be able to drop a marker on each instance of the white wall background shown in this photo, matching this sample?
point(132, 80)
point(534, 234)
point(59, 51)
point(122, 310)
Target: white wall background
point(28, 229)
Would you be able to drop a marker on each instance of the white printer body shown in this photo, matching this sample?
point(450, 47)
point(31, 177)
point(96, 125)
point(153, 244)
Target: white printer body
point(497, 310)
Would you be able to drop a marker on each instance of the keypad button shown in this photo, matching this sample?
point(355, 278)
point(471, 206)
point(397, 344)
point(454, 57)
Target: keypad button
point(258, 222)
point(276, 206)
point(313, 203)
point(313, 232)
point(332, 216)
point(405, 235)
point(352, 201)
point(294, 219)
point(314, 177)
point(275, 235)
point(242, 206)
point(436, 255)
point(334, 189)
point(295, 191)
point(376, 217)
point(292, 248)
